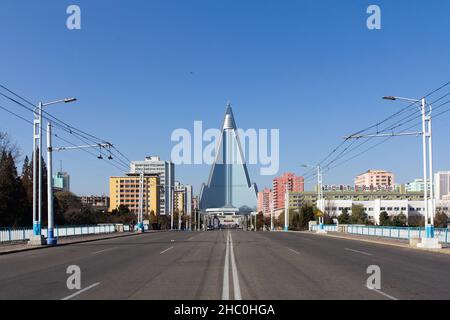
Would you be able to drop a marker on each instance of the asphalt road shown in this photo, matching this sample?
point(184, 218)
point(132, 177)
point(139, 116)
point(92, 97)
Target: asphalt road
point(225, 265)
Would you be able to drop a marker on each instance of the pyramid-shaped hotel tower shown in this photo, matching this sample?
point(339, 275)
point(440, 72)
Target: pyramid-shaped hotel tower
point(229, 185)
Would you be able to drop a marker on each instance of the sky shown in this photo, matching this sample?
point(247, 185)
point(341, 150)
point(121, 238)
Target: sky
point(142, 69)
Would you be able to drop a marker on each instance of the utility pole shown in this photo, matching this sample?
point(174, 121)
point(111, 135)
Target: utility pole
point(286, 209)
point(37, 145)
point(428, 241)
point(430, 153)
point(39, 162)
point(51, 240)
point(320, 199)
point(37, 237)
point(195, 219)
point(141, 203)
point(271, 215)
point(171, 205)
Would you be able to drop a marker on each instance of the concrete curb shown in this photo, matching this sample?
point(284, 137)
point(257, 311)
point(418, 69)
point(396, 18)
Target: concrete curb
point(76, 242)
point(442, 251)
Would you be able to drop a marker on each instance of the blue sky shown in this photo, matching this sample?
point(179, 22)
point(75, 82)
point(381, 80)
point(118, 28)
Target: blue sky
point(141, 69)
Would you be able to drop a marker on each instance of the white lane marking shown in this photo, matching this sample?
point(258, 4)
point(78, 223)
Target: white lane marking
point(357, 251)
point(105, 250)
point(237, 287)
point(226, 271)
point(295, 251)
point(81, 291)
point(164, 251)
point(382, 293)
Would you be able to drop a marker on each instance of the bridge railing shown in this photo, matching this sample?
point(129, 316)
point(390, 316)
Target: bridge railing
point(388, 232)
point(22, 234)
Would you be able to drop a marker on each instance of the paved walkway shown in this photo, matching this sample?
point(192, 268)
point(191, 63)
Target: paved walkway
point(381, 240)
point(18, 246)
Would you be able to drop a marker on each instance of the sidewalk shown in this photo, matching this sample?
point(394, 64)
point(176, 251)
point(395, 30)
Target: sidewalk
point(380, 240)
point(9, 248)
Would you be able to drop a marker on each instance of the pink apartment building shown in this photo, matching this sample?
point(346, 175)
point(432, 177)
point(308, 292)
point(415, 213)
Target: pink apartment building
point(287, 181)
point(265, 199)
point(375, 178)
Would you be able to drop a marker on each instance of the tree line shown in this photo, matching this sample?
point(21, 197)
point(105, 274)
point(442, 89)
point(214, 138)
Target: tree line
point(299, 219)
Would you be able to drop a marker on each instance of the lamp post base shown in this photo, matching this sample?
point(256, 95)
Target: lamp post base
point(429, 243)
point(321, 229)
point(51, 240)
point(36, 240)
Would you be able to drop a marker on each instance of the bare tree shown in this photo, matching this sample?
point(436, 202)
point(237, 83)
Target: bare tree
point(8, 146)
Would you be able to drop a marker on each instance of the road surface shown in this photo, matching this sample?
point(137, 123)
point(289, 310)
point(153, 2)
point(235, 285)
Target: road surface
point(225, 265)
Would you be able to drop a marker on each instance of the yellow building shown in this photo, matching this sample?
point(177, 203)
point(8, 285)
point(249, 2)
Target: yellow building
point(125, 191)
point(179, 201)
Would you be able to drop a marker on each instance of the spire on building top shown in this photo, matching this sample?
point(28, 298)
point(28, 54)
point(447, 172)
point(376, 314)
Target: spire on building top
point(228, 122)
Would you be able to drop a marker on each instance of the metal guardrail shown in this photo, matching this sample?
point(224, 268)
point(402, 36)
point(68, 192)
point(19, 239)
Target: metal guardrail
point(388, 232)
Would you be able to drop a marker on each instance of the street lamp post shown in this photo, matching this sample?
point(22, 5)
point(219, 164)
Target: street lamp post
point(37, 170)
point(271, 216)
point(37, 145)
point(51, 240)
point(286, 210)
point(320, 199)
point(141, 203)
point(428, 241)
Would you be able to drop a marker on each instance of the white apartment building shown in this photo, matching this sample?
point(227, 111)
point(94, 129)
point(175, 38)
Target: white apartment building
point(166, 172)
point(417, 185)
point(373, 208)
point(442, 185)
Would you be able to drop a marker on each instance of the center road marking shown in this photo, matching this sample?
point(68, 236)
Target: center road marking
point(229, 257)
point(105, 250)
point(166, 250)
point(226, 271)
point(382, 293)
point(81, 291)
point(357, 251)
point(295, 251)
point(237, 287)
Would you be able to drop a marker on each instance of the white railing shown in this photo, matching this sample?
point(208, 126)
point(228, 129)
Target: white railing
point(22, 234)
point(388, 232)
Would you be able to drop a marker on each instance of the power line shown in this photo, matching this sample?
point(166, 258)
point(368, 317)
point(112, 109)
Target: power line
point(62, 139)
point(347, 150)
point(78, 133)
point(390, 128)
point(388, 138)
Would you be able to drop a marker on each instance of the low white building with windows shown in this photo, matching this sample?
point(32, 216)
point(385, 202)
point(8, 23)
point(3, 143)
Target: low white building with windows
point(393, 202)
point(373, 208)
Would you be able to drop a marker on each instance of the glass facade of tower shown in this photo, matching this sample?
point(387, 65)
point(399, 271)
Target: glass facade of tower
point(229, 183)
